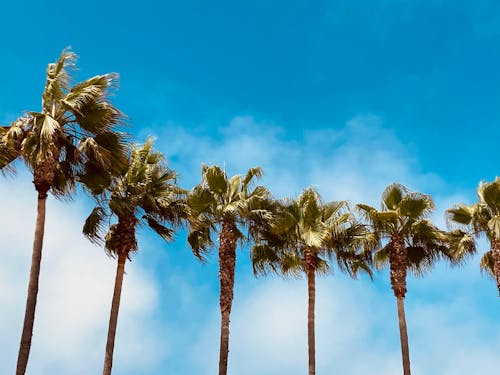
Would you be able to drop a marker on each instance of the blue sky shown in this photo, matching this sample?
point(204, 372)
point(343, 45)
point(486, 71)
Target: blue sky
point(346, 96)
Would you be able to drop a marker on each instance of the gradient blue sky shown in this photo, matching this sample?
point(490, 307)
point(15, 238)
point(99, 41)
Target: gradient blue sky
point(346, 96)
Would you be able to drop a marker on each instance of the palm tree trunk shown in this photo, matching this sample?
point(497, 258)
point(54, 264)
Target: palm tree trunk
point(227, 261)
point(113, 319)
point(311, 289)
point(403, 335)
point(398, 264)
point(29, 315)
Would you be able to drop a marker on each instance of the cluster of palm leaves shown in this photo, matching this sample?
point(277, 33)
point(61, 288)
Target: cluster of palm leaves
point(76, 140)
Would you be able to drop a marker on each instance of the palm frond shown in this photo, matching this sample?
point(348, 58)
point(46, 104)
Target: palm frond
point(166, 233)
point(93, 227)
point(216, 179)
point(265, 259)
point(487, 264)
point(392, 196)
point(460, 214)
point(416, 205)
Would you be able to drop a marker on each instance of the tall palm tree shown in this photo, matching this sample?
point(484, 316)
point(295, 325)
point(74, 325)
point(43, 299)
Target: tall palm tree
point(225, 206)
point(145, 193)
point(481, 218)
point(73, 137)
point(408, 242)
point(303, 237)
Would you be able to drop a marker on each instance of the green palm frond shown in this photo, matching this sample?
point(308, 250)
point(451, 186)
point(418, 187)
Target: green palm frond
point(460, 214)
point(255, 172)
point(58, 79)
point(489, 194)
point(11, 138)
point(416, 205)
point(216, 179)
point(164, 232)
point(381, 257)
point(487, 264)
point(292, 264)
point(264, 259)
point(461, 244)
point(201, 199)
point(199, 238)
point(93, 228)
point(392, 196)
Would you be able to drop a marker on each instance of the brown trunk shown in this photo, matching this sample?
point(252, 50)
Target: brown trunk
point(113, 319)
point(29, 315)
point(227, 261)
point(311, 288)
point(496, 262)
point(403, 335)
point(398, 264)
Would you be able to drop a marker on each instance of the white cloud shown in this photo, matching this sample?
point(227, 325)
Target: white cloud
point(355, 162)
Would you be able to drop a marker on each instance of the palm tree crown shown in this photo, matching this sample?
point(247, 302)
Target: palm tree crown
point(146, 192)
point(481, 218)
point(218, 200)
point(304, 235)
point(408, 240)
point(74, 135)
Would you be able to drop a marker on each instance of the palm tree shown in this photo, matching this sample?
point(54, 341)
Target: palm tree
point(73, 137)
point(481, 218)
point(225, 206)
point(304, 235)
point(146, 193)
point(410, 243)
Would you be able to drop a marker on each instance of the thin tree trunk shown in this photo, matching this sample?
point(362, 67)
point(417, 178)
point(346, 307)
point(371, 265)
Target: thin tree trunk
point(311, 289)
point(227, 261)
point(403, 335)
point(398, 264)
point(113, 319)
point(29, 315)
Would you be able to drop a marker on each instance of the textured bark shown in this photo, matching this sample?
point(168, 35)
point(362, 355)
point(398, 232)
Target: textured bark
point(403, 335)
point(398, 263)
point(43, 176)
point(496, 262)
point(113, 319)
point(311, 263)
point(227, 261)
point(311, 289)
point(29, 315)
